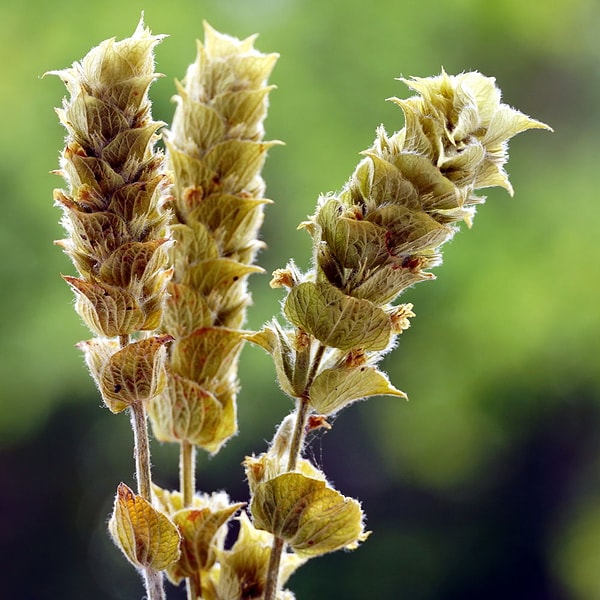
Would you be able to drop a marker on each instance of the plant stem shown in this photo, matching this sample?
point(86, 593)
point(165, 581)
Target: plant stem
point(194, 587)
point(153, 579)
point(187, 476)
point(187, 471)
point(273, 572)
point(141, 450)
point(302, 411)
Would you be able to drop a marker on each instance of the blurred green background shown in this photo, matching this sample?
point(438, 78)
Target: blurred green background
point(487, 483)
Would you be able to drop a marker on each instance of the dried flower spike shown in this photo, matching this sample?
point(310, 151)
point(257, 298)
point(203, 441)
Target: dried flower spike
point(116, 223)
point(216, 151)
point(113, 211)
point(371, 241)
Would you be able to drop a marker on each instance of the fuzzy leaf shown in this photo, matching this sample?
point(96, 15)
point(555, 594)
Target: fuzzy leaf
point(185, 411)
point(108, 311)
point(275, 341)
point(130, 145)
point(334, 389)
point(137, 202)
point(222, 283)
point(188, 173)
point(198, 528)
point(146, 536)
point(236, 163)
point(185, 311)
point(194, 242)
point(337, 320)
point(133, 263)
point(93, 120)
point(243, 110)
point(91, 171)
point(206, 356)
point(98, 234)
point(356, 244)
point(310, 516)
point(196, 127)
point(134, 374)
point(384, 284)
point(234, 221)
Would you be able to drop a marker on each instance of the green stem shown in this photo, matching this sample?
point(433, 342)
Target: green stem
point(302, 411)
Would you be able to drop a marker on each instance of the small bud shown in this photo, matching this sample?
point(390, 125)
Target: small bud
point(401, 316)
point(282, 278)
point(243, 569)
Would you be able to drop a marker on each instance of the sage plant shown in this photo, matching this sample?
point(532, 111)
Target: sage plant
point(164, 247)
point(114, 217)
point(371, 241)
point(216, 151)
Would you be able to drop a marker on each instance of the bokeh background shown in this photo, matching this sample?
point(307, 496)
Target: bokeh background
point(487, 483)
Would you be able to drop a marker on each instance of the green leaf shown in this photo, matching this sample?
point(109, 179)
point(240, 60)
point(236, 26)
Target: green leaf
point(310, 516)
point(207, 355)
point(355, 243)
point(338, 320)
point(334, 389)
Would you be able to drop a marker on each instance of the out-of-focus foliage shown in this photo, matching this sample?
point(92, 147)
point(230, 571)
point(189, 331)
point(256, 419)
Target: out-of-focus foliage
point(486, 483)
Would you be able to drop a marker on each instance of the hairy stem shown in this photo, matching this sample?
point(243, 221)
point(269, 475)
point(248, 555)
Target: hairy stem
point(187, 484)
point(141, 450)
point(187, 471)
point(273, 572)
point(153, 579)
point(302, 411)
